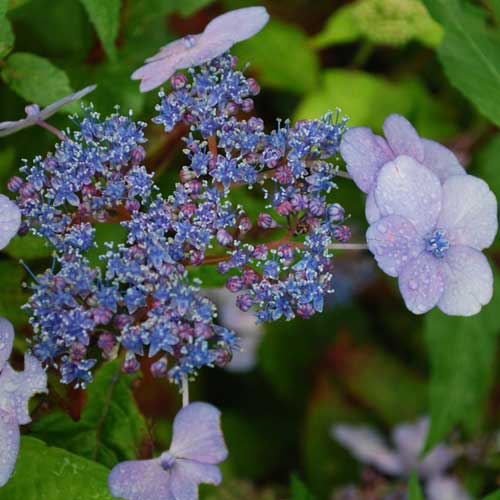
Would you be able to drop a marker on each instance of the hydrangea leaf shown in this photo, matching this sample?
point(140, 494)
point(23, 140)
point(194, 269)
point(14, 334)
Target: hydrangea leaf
point(58, 30)
point(28, 247)
point(105, 16)
point(493, 496)
point(110, 428)
point(340, 27)
point(384, 22)
point(462, 351)
point(46, 472)
point(6, 36)
point(105, 233)
point(299, 490)
point(470, 53)
point(36, 79)
point(368, 99)
point(13, 295)
point(414, 489)
point(275, 68)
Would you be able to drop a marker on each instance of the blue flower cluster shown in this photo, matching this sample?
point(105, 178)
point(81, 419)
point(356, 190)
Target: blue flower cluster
point(143, 300)
point(288, 166)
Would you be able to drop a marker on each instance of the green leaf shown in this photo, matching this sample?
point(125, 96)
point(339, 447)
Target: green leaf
point(28, 247)
point(383, 22)
point(110, 428)
point(462, 351)
point(493, 496)
point(43, 472)
point(281, 58)
point(105, 16)
point(414, 489)
point(13, 295)
point(368, 99)
point(106, 232)
point(470, 53)
point(489, 168)
point(36, 79)
point(187, 7)
point(299, 489)
point(340, 27)
point(6, 36)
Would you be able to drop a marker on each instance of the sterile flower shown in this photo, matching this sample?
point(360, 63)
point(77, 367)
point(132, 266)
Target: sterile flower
point(34, 113)
point(16, 388)
point(366, 153)
point(430, 235)
point(402, 460)
point(10, 220)
point(197, 447)
point(219, 35)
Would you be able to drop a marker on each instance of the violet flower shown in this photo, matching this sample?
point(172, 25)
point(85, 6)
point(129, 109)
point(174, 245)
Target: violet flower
point(16, 388)
point(10, 220)
point(34, 113)
point(197, 447)
point(366, 153)
point(219, 35)
point(430, 235)
point(402, 460)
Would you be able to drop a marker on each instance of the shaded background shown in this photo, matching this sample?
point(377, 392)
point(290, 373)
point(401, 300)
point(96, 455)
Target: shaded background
point(366, 359)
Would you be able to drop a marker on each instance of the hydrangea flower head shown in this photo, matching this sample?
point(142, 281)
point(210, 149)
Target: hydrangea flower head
point(402, 460)
point(430, 235)
point(34, 113)
point(219, 35)
point(365, 153)
point(10, 220)
point(16, 388)
point(197, 447)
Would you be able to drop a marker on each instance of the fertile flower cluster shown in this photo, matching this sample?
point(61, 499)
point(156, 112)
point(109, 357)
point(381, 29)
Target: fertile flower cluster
point(142, 299)
point(292, 274)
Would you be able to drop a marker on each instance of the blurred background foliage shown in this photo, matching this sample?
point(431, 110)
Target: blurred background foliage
point(366, 359)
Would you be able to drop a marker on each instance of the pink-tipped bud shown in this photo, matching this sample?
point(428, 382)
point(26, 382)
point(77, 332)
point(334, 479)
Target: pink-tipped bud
point(253, 86)
point(178, 81)
point(14, 184)
point(265, 221)
point(224, 238)
point(159, 368)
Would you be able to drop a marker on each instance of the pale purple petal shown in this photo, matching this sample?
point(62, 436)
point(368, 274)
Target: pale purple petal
point(364, 153)
point(187, 475)
point(16, 388)
point(421, 283)
point(410, 439)
point(218, 37)
point(172, 49)
point(368, 447)
point(403, 138)
point(372, 212)
point(406, 188)
point(9, 445)
point(7, 128)
point(237, 25)
point(445, 488)
point(6, 341)
point(441, 160)
point(197, 434)
point(468, 281)
point(469, 212)
point(10, 220)
point(140, 479)
point(393, 241)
